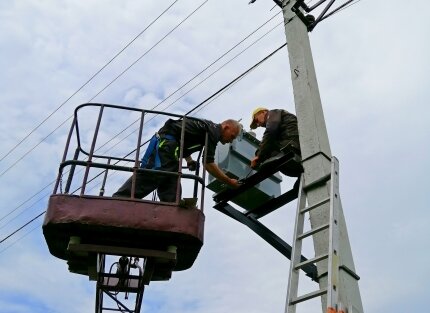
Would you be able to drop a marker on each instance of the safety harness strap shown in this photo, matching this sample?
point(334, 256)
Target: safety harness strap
point(154, 144)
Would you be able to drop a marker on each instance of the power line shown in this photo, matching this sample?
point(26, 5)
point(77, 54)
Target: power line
point(216, 96)
point(86, 83)
point(196, 107)
point(190, 80)
point(342, 7)
point(219, 58)
point(195, 76)
point(22, 212)
point(199, 107)
point(20, 238)
point(34, 147)
point(229, 61)
point(16, 208)
point(103, 89)
point(138, 59)
point(183, 85)
point(17, 230)
point(237, 78)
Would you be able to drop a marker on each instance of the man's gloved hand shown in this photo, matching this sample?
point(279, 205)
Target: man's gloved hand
point(254, 162)
point(192, 165)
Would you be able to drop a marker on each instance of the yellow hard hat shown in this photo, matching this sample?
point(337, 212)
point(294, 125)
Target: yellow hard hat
point(255, 112)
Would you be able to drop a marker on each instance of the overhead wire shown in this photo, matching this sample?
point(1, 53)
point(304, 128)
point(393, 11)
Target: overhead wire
point(90, 100)
point(165, 36)
point(19, 239)
point(23, 211)
point(229, 61)
point(199, 106)
point(86, 83)
point(116, 78)
point(183, 85)
point(20, 205)
point(156, 44)
point(344, 6)
point(236, 79)
point(218, 93)
point(222, 90)
point(190, 80)
point(195, 86)
point(253, 43)
point(40, 142)
point(17, 230)
point(196, 107)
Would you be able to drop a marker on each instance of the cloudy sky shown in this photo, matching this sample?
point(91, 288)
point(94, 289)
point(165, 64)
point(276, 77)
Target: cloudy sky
point(371, 61)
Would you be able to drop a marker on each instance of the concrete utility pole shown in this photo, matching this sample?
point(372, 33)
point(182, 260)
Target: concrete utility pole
point(316, 156)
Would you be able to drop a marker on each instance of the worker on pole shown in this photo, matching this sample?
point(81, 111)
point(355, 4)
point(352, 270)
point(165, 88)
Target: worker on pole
point(281, 135)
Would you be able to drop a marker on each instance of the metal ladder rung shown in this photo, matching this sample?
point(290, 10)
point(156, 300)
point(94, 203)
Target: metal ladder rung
point(311, 261)
point(313, 231)
point(308, 296)
point(311, 207)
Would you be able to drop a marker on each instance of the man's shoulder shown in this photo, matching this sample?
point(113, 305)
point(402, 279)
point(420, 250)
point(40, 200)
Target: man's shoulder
point(214, 131)
point(282, 112)
point(202, 123)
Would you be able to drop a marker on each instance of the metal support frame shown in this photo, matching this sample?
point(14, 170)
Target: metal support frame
point(309, 20)
point(109, 283)
point(250, 218)
point(106, 286)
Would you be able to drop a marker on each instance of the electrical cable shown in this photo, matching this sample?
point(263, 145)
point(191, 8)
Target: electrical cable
point(190, 80)
point(103, 89)
point(229, 61)
point(196, 107)
point(34, 147)
point(183, 95)
point(22, 212)
point(216, 97)
point(17, 230)
point(20, 238)
point(16, 208)
point(199, 106)
point(138, 59)
point(224, 89)
point(86, 83)
point(219, 58)
point(237, 78)
point(207, 67)
point(341, 8)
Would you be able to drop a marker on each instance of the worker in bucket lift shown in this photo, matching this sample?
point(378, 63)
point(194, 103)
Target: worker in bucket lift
point(163, 153)
point(281, 131)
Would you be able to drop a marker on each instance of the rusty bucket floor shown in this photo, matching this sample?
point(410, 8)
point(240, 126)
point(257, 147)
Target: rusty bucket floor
point(123, 223)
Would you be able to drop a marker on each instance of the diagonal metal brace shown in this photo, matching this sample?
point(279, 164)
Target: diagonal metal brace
point(265, 233)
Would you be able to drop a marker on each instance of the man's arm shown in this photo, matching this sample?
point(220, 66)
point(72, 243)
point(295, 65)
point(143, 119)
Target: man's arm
point(269, 137)
point(216, 172)
point(191, 164)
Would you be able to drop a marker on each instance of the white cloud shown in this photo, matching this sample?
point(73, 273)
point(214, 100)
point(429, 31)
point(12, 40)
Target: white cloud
point(371, 63)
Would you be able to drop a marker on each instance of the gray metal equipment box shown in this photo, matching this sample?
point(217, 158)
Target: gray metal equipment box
point(234, 159)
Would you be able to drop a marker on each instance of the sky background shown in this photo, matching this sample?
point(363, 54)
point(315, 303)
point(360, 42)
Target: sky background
point(372, 67)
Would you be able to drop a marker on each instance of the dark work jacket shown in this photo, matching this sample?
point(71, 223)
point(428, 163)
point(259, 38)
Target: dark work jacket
point(195, 134)
point(281, 130)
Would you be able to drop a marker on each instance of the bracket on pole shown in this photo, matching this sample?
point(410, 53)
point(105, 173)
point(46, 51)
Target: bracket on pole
point(309, 20)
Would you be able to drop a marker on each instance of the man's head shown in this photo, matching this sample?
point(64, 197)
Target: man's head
point(230, 129)
point(258, 117)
